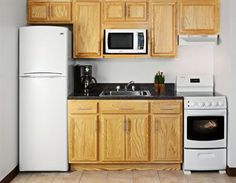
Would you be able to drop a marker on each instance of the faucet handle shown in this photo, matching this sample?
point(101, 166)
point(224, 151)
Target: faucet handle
point(133, 88)
point(117, 88)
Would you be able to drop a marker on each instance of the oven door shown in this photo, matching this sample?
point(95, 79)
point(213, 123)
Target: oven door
point(205, 128)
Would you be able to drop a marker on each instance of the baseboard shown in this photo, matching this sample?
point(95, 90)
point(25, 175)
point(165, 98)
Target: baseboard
point(11, 175)
point(231, 171)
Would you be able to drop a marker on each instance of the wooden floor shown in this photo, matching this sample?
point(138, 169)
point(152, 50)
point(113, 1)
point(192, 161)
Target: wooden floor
point(123, 177)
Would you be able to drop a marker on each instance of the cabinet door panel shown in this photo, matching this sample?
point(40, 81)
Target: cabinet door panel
point(166, 137)
point(199, 17)
point(137, 138)
point(38, 12)
point(60, 12)
point(114, 11)
point(87, 37)
point(83, 138)
point(163, 29)
point(136, 11)
point(113, 137)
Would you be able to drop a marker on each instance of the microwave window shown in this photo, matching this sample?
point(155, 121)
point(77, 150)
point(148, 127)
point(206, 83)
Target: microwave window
point(120, 40)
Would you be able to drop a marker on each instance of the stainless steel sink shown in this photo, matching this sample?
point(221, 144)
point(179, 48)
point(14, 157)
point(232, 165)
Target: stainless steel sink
point(122, 93)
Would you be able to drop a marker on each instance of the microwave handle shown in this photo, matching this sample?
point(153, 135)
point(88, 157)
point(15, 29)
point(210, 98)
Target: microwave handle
point(140, 40)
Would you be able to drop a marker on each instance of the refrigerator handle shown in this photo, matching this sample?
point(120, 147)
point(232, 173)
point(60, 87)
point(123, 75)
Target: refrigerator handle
point(31, 73)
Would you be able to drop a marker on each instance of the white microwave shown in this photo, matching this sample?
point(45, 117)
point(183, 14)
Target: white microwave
point(126, 41)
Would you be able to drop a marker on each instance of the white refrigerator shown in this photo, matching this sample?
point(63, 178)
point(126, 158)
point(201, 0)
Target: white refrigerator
point(43, 79)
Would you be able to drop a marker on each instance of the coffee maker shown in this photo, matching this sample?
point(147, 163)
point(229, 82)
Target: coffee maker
point(84, 82)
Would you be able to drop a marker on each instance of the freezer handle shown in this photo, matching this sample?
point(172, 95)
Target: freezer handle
point(37, 73)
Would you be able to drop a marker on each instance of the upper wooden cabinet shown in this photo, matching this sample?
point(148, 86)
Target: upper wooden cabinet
point(49, 12)
point(87, 30)
point(199, 17)
point(163, 31)
point(120, 11)
point(114, 11)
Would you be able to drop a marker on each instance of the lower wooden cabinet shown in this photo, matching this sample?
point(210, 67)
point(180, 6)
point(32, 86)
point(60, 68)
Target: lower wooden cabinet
point(106, 137)
point(112, 138)
point(83, 138)
point(166, 137)
point(137, 137)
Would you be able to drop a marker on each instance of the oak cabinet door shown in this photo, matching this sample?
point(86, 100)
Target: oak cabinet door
point(83, 138)
point(60, 11)
point(113, 138)
point(87, 30)
point(166, 137)
point(137, 137)
point(163, 29)
point(136, 11)
point(199, 17)
point(38, 12)
point(114, 11)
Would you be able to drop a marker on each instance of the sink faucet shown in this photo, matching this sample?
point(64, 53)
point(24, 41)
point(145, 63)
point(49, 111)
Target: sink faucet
point(127, 85)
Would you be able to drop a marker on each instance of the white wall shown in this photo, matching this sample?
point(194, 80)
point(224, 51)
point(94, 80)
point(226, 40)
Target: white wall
point(225, 71)
point(12, 14)
point(190, 59)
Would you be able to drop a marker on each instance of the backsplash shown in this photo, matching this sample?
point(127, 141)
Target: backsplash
point(190, 59)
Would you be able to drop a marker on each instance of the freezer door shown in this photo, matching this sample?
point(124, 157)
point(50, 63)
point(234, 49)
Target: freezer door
point(43, 124)
point(43, 49)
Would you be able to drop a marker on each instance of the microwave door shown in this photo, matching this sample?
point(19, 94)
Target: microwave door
point(120, 42)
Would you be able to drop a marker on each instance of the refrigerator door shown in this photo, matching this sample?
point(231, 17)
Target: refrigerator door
point(43, 124)
point(43, 49)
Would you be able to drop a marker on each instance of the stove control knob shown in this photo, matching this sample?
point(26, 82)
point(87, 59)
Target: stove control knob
point(214, 104)
point(200, 104)
point(220, 103)
point(192, 104)
point(208, 104)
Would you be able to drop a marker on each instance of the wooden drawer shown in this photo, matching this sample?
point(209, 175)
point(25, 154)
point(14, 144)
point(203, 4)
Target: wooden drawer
point(82, 107)
point(112, 106)
point(166, 106)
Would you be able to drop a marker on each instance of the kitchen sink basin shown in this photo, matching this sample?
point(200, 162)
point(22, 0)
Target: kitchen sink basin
point(122, 93)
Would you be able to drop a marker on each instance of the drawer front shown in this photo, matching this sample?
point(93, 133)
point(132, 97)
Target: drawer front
point(82, 107)
point(124, 107)
point(205, 159)
point(166, 106)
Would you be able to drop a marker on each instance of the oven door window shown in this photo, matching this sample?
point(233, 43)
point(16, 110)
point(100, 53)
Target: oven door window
point(120, 41)
point(205, 128)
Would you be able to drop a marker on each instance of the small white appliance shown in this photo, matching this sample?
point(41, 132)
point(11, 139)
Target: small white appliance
point(126, 41)
point(205, 124)
point(44, 54)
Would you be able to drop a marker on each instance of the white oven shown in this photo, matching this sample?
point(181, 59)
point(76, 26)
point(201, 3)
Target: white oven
point(205, 124)
point(205, 128)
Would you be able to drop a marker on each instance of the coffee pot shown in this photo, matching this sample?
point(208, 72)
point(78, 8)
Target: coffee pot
point(87, 80)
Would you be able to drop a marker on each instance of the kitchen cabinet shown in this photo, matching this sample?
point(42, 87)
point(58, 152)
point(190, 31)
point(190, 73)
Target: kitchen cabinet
point(83, 131)
point(121, 11)
point(163, 31)
point(87, 30)
point(124, 130)
point(199, 17)
point(166, 131)
point(49, 12)
point(125, 134)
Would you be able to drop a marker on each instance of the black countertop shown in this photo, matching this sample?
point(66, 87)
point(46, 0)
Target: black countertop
point(168, 93)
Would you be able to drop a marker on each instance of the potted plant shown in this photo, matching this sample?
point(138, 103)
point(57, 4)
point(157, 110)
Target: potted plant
point(159, 82)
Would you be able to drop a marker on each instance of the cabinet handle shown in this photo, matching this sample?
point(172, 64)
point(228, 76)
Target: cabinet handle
point(129, 126)
point(96, 126)
point(125, 125)
point(127, 109)
point(156, 126)
point(84, 109)
point(167, 109)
